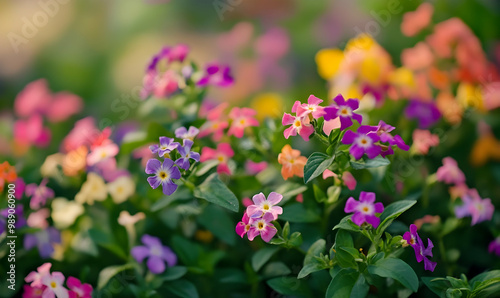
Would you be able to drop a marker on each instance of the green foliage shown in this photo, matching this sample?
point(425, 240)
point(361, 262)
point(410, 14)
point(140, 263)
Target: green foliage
point(316, 164)
point(215, 191)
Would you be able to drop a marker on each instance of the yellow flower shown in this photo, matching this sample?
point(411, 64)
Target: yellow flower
point(94, 189)
point(470, 96)
point(121, 189)
point(267, 105)
point(64, 212)
point(328, 62)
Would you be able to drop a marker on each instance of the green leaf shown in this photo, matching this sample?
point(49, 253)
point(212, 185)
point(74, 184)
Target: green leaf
point(486, 284)
point(289, 286)
point(181, 288)
point(342, 284)
point(319, 195)
point(344, 258)
point(370, 163)
point(296, 212)
point(391, 212)
point(286, 230)
point(437, 285)
point(107, 273)
point(485, 276)
point(333, 193)
point(274, 269)
point(316, 164)
point(215, 191)
point(396, 269)
point(361, 288)
point(314, 250)
point(347, 224)
point(219, 223)
point(173, 273)
point(310, 268)
point(262, 256)
point(289, 190)
point(295, 239)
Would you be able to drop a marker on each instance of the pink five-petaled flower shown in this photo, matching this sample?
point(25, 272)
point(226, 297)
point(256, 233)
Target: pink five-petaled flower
point(298, 125)
point(39, 193)
point(479, 209)
point(77, 289)
point(312, 107)
point(363, 141)
point(449, 172)
point(216, 121)
point(156, 252)
point(222, 154)
point(364, 209)
point(243, 226)
point(262, 205)
point(242, 118)
point(421, 252)
point(35, 277)
point(163, 174)
point(263, 227)
point(166, 146)
point(54, 286)
point(344, 110)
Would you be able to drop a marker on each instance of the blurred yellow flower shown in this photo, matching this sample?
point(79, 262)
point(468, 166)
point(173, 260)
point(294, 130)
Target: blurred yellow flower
point(50, 167)
point(94, 189)
point(267, 105)
point(60, 248)
point(328, 61)
point(64, 212)
point(486, 148)
point(470, 96)
point(121, 189)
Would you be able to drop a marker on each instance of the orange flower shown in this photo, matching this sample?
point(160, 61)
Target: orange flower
point(75, 161)
point(293, 163)
point(7, 174)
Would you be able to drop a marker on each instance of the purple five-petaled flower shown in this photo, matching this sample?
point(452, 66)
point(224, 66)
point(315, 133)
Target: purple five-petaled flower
point(363, 141)
point(364, 209)
point(425, 112)
point(183, 133)
point(163, 174)
point(186, 154)
point(44, 240)
point(421, 252)
point(156, 252)
point(165, 147)
point(344, 110)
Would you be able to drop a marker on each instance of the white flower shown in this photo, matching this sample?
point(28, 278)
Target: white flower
point(94, 189)
point(50, 166)
point(64, 212)
point(121, 189)
point(125, 219)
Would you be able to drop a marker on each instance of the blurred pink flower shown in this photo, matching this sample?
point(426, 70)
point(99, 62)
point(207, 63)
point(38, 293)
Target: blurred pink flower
point(430, 219)
point(236, 39)
point(38, 219)
point(458, 191)
point(31, 132)
point(347, 178)
point(242, 118)
point(299, 198)
point(83, 134)
point(479, 209)
point(102, 152)
point(216, 122)
point(246, 202)
point(253, 168)
point(144, 153)
point(423, 140)
point(418, 57)
point(415, 21)
point(273, 44)
point(449, 172)
point(222, 154)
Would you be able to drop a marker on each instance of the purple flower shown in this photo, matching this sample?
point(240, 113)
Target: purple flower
point(44, 240)
point(426, 112)
point(170, 54)
point(18, 212)
point(344, 110)
point(163, 174)
point(363, 141)
point(421, 253)
point(364, 209)
point(184, 133)
point(186, 154)
point(218, 75)
point(494, 246)
point(39, 194)
point(383, 132)
point(479, 209)
point(166, 146)
point(156, 253)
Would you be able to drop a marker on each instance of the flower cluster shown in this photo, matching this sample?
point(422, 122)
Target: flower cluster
point(164, 173)
point(258, 217)
point(421, 252)
point(43, 283)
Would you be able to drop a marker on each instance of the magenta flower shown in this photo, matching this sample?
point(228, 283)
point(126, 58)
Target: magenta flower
point(186, 154)
point(364, 209)
point(77, 289)
point(421, 252)
point(344, 110)
point(163, 174)
point(33, 292)
point(494, 246)
point(480, 209)
point(253, 168)
point(32, 132)
point(156, 252)
point(262, 205)
point(222, 154)
point(166, 146)
point(449, 172)
point(183, 133)
point(243, 226)
point(39, 194)
point(35, 277)
point(425, 112)
point(54, 286)
point(218, 75)
point(242, 118)
point(311, 107)
point(363, 141)
point(299, 125)
point(44, 240)
point(383, 132)
point(263, 227)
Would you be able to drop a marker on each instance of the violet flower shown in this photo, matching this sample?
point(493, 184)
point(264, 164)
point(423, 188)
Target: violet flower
point(480, 209)
point(39, 194)
point(44, 240)
point(183, 133)
point(344, 110)
point(166, 146)
point(494, 246)
point(363, 141)
point(163, 174)
point(421, 252)
point(186, 154)
point(156, 253)
point(218, 75)
point(383, 132)
point(425, 112)
point(364, 209)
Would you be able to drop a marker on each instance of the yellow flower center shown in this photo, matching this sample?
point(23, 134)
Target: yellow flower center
point(296, 123)
point(242, 122)
point(163, 175)
point(220, 158)
point(365, 209)
point(260, 225)
point(53, 285)
point(265, 207)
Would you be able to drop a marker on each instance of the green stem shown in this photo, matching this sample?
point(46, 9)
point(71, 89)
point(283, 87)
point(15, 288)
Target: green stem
point(442, 251)
point(189, 184)
point(323, 139)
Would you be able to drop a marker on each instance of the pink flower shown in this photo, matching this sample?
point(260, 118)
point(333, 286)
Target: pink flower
point(246, 202)
point(417, 58)
point(329, 125)
point(33, 292)
point(167, 84)
point(311, 107)
point(449, 172)
point(262, 227)
point(242, 118)
point(458, 191)
point(31, 132)
point(35, 277)
point(262, 205)
point(39, 194)
point(414, 22)
point(299, 198)
point(216, 123)
point(364, 209)
point(273, 44)
point(479, 209)
point(222, 154)
point(77, 289)
point(83, 134)
point(144, 153)
point(243, 226)
point(423, 140)
point(54, 283)
point(253, 168)
point(298, 125)
point(347, 178)
point(99, 153)
point(38, 219)
point(109, 171)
